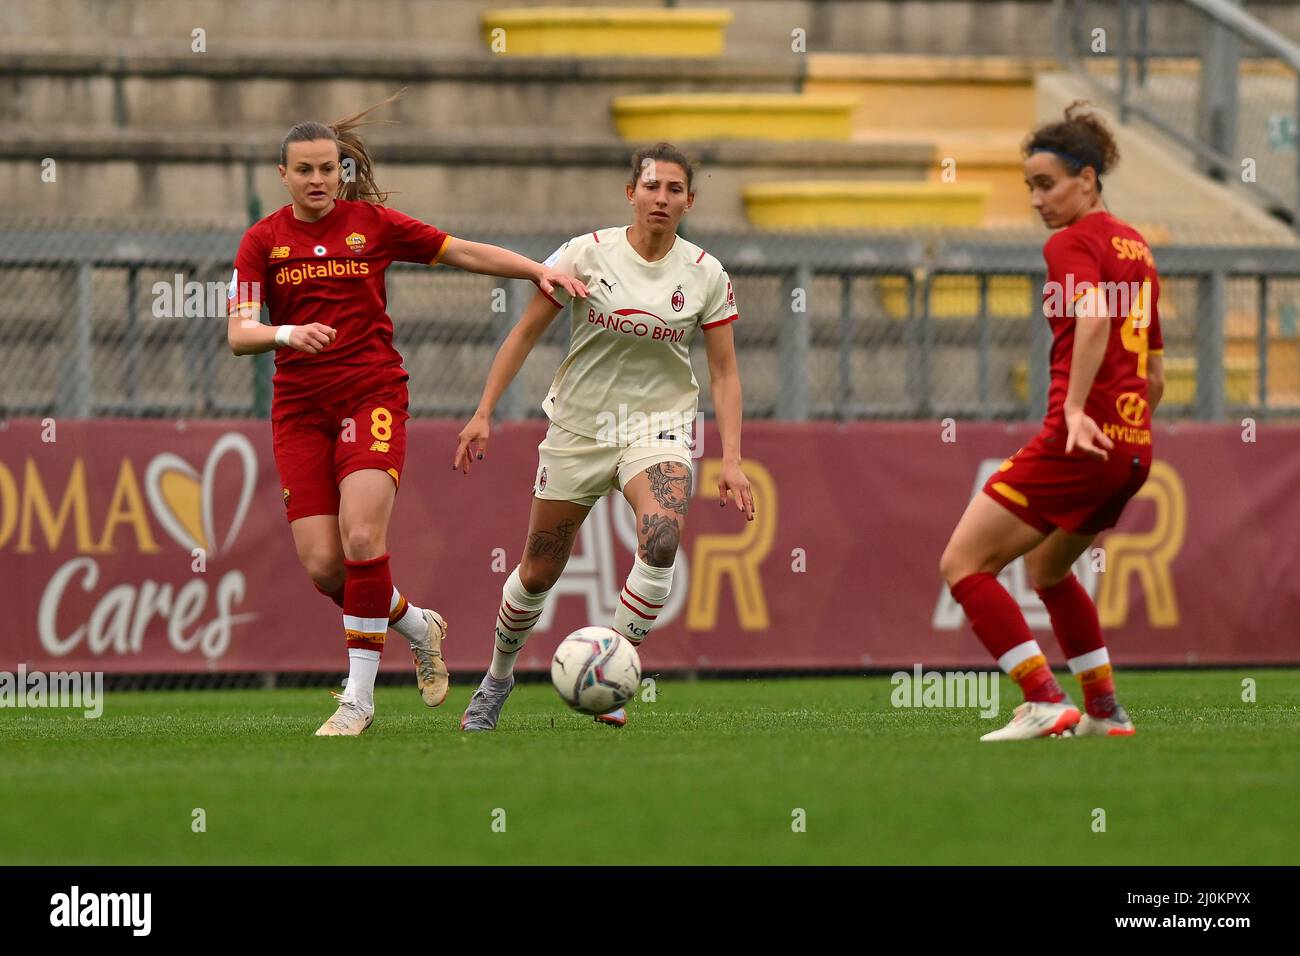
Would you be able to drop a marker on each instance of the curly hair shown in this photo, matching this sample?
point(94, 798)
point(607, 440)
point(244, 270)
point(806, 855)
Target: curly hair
point(1082, 139)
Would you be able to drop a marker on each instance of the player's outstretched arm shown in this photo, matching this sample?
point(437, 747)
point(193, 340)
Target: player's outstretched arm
point(492, 260)
point(724, 384)
point(473, 438)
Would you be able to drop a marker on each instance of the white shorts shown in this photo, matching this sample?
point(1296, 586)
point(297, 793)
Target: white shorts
point(572, 467)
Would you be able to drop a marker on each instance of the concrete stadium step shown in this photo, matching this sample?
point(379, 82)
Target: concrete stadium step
point(647, 30)
point(784, 117)
point(912, 92)
point(976, 26)
point(800, 206)
point(516, 179)
point(148, 85)
point(984, 27)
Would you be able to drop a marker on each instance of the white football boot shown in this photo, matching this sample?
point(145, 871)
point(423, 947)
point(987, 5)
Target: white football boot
point(430, 669)
point(1117, 724)
point(348, 721)
point(1035, 719)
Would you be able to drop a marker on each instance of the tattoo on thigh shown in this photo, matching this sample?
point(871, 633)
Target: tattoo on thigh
point(670, 483)
point(552, 545)
point(659, 537)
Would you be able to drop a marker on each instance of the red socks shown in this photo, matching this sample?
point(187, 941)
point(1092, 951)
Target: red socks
point(1074, 617)
point(367, 594)
point(1077, 629)
point(1001, 628)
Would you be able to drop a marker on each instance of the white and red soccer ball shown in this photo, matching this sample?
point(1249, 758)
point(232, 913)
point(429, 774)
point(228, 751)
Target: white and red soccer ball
point(596, 670)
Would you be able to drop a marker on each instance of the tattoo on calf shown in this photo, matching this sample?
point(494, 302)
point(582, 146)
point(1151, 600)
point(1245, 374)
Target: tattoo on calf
point(659, 537)
point(552, 545)
point(670, 483)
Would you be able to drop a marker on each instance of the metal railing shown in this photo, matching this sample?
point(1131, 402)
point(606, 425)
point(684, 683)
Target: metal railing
point(1206, 74)
point(98, 323)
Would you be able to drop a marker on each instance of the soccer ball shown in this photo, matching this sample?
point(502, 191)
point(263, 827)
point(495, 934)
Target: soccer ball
point(595, 670)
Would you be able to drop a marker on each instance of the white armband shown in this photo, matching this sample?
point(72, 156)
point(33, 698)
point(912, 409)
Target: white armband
point(282, 334)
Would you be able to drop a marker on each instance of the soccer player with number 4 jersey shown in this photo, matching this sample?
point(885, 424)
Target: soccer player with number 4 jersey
point(622, 406)
point(339, 409)
point(1051, 498)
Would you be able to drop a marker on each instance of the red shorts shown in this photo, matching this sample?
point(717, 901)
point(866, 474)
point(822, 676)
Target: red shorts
point(1048, 489)
point(315, 450)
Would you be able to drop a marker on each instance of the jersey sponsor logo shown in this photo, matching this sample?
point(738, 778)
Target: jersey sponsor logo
point(331, 269)
point(279, 252)
point(1127, 434)
point(1132, 407)
point(679, 300)
point(357, 243)
point(625, 321)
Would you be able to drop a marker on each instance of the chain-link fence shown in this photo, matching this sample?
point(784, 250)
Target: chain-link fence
point(1214, 80)
point(97, 322)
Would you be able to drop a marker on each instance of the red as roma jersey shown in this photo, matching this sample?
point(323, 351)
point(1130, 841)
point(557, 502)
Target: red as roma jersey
point(331, 271)
point(1101, 252)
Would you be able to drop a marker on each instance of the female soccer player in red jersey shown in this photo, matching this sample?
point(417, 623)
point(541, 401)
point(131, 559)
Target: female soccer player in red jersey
point(621, 407)
point(1050, 499)
point(340, 399)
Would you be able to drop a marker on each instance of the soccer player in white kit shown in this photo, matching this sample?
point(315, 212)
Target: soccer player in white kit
point(621, 406)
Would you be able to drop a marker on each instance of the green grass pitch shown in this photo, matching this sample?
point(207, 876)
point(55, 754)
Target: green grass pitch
point(711, 772)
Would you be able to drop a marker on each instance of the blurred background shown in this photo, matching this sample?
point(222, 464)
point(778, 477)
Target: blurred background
point(859, 176)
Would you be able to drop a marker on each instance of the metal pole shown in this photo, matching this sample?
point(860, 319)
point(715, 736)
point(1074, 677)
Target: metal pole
point(845, 396)
point(1209, 352)
point(1122, 53)
point(263, 362)
point(922, 341)
point(983, 349)
point(82, 384)
point(792, 346)
point(1217, 106)
point(1295, 136)
point(132, 343)
point(1263, 345)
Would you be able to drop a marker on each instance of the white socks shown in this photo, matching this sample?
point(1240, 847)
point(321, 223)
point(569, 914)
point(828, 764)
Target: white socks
point(363, 665)
point(411, 624)
point(516, 618)
point(641, 600)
